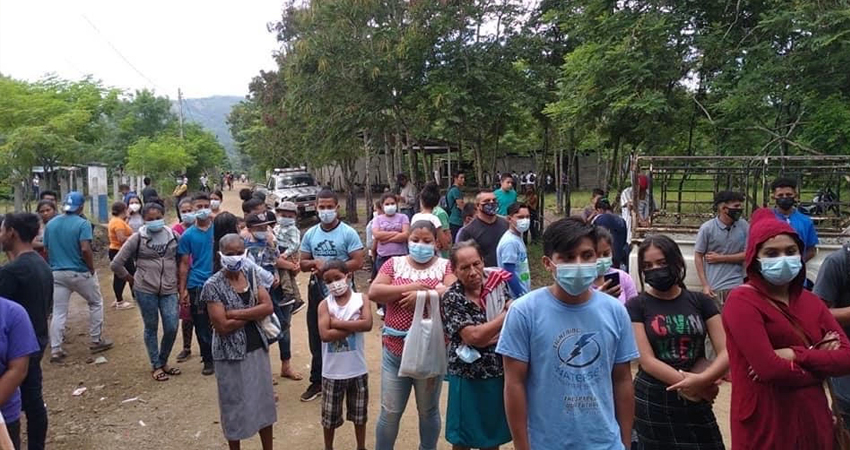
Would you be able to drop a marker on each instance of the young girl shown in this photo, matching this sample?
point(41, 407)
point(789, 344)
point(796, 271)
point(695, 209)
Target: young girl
point(135, 220)
point(390, 231)
point(625, 288)
point(343, 318)
point(672, 397)
point(216, 198)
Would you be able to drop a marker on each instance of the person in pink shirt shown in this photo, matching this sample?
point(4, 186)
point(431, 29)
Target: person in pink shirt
point(624, 288)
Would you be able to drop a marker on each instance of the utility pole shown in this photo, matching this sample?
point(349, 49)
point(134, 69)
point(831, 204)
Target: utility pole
point(180, 106)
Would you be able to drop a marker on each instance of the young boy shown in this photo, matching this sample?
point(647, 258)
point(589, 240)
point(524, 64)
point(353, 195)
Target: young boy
point(288, 239)
point(511, 253)
point(566, 352)
point(344, 317)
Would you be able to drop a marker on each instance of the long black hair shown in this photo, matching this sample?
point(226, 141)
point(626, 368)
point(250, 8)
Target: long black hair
point(672, 255)
point(223, 224)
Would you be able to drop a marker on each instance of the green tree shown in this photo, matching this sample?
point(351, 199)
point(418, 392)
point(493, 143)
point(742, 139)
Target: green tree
point(160, 157)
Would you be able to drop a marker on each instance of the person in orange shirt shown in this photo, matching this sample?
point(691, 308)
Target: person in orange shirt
point(119, 231)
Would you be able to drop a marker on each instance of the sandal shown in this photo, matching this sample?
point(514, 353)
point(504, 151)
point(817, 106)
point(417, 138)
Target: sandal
point(159, 375)
point(171, 370)
point(292, 375)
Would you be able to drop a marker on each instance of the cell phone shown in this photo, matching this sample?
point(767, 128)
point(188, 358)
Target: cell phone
point(614, 279)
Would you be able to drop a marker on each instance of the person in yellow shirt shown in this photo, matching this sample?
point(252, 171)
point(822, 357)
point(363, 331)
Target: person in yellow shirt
point(119, 231)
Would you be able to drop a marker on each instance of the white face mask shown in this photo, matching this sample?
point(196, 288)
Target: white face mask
point(215, 204)
point(390, 209)
point(339, 287)
point(232, 263)
point(135, 207)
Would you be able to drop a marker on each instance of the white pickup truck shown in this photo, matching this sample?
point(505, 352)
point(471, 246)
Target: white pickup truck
point(684, 187)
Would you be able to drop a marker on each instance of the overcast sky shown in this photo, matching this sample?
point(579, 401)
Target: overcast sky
point(210, 47)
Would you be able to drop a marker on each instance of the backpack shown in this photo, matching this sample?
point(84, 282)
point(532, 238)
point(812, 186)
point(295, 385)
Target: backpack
point(444, 203)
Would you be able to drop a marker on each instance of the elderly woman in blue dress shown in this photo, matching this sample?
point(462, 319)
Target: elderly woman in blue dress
point(236, 302)
point(473, 311)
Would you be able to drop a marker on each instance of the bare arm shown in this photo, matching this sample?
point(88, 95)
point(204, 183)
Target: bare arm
point(735, 258)
point(260, 311)
point(118, 262)
point(361, 325)
point(355, 261)
point(284, 263)
point(16, 371)
point(693, 384)
point(382, 291)
point(183, 274)
point(327, 333)
point(382, 236)
point(219, 320)
point(842, 315)
point(88, 255)
point(401, 238)
point(483, 335)
point(516, 402)
point(699, 262)
point(624, 400)
point(308, 264)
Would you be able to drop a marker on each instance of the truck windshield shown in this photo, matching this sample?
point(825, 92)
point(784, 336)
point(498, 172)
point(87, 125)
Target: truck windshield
point(297, 180)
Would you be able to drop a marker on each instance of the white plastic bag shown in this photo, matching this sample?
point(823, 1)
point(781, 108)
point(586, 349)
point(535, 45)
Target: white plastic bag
point(424, 354)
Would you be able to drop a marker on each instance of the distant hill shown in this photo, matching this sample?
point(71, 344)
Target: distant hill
point(211, 113)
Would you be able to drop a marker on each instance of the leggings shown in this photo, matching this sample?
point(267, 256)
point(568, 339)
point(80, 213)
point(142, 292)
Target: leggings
point(119, 283)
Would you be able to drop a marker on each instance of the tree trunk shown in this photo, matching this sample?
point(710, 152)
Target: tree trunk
point(388, 161)
point(349, 176)
point(367, 150)
point(479, 170)
point(615, 167)
point(19, 196)
point(412, 162)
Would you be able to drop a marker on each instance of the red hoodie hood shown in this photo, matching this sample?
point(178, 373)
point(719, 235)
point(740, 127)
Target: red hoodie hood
point(765, 225)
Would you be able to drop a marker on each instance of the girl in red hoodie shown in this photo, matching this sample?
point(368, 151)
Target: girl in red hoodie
point(782, 343)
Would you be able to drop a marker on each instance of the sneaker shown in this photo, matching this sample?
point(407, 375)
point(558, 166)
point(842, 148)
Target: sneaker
point(313, 392)
point(101, 346)
point(380, 312)
point(124, 305)
point(298, 306)
point(184, 355)
point(208, 368)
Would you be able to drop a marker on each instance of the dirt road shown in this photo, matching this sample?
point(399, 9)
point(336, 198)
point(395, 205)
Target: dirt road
point(123, 408)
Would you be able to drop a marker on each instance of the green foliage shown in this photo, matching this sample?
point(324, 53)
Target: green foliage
point(159, 157)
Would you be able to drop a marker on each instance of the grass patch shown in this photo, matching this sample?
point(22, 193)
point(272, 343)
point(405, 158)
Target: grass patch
point(539, 275)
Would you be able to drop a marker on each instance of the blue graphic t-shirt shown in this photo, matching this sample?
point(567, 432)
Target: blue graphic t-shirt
point(570, 351)
point(337, 243)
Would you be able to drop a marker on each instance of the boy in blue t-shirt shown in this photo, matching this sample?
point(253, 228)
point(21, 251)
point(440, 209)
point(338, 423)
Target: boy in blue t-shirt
point(329, 240)
point(511, 253)
point(567, 350)
point(195, 251)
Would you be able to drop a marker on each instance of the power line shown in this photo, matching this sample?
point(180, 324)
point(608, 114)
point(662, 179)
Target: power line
point(118, 52)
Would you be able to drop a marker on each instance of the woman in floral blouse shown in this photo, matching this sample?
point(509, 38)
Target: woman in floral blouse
point(474, 310)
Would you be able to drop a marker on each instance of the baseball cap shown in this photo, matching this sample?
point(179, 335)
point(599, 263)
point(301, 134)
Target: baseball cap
point(287, 206)
point(74, 201)
point(255, 220)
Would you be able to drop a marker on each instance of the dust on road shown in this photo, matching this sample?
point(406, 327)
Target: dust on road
point(123, 408)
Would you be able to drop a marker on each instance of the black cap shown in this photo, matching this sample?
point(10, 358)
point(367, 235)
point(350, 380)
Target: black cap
point(255, 220)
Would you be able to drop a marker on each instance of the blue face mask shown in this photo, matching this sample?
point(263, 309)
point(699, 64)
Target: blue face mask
point(781, 270)
point(188, 218)
point(155, 226)
point(327, 216)
point(603, 264)
point(259, 235)
point(285, 221)
point(575, 278)
point(203, 214)
point(421, 253)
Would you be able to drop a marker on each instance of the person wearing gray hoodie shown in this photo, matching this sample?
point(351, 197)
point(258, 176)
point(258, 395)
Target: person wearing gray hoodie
point(154, 250)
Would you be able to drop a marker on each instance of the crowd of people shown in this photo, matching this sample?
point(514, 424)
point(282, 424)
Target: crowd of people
point(542, 368)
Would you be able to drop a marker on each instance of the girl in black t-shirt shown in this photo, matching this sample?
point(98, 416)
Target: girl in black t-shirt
point(675, 385)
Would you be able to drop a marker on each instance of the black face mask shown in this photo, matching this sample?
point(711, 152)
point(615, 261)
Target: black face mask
point(785, 203)
point(735, 213)
point(661, 279)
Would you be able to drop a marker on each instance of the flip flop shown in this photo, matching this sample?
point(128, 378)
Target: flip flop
point(172, 370)
point(292, 376)
point(159, 375)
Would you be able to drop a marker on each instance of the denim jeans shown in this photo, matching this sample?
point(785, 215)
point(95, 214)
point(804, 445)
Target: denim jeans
point(152, 306)
point(66, 282)
point(32, 404)
point(284, 315)
point(202, 324)
point(395, 391)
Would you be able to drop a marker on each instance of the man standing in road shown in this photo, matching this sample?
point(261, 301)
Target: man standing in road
point(148, 193)
point(833, 286)
point(785, 195)
point(487, 228)
point(27, 280)
point(67, 239)
point(329, 240)
point(196, 263)
point(720, 246)
point(454, 200)
point(407, 196)
point(505, 195)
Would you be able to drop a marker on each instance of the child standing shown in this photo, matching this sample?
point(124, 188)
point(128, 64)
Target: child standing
point(343, 318)
point(288, 239)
